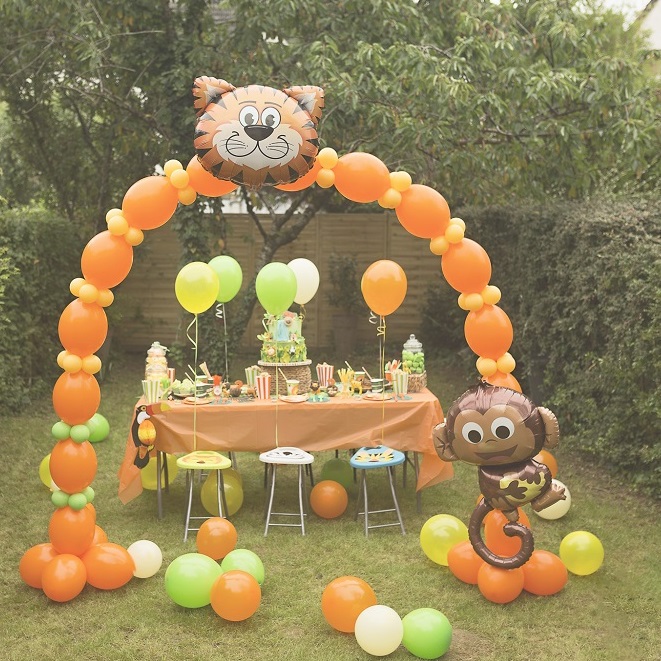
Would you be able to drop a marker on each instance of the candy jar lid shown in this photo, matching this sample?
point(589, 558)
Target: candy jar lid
point(156, 349)
point(413, 345)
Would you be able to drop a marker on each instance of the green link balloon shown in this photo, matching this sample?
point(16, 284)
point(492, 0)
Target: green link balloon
point(276, 287)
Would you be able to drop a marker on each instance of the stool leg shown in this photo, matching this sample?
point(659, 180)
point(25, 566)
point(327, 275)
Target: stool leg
point(394, 498)
point(268, 513)
point(266, 472)
point(404, 469)
point(220, 487)
point(418, 494)
point(235, 463)
point(166, 472)
point(189, 482)
point(360, 495)
point(300, 496)
point(308, 471)
point(364, 479)
point(159, 491)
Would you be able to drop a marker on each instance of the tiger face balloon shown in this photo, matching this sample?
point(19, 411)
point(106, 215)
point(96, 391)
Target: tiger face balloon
point(256, 135)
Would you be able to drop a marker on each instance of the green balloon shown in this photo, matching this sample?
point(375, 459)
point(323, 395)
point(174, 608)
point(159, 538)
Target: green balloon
point(338, 470)
point(99, 428)
point(61, 430)
point(427, 633)
point(246, 561)
point(59, 498)
point(80, 433)
point(77, 501)
point(276, 287)
point(229, 275)
point(189, 579)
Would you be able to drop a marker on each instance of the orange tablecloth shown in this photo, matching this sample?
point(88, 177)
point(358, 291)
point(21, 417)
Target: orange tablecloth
point(335, 424)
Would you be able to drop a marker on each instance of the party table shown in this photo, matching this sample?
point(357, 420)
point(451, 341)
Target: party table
point(259, 425)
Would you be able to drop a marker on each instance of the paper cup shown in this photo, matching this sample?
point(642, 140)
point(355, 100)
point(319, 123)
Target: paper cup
point(359, 376)
point(400, 383)
point(251, 376)
point(292, 386)
point(171, 374)
point(324, 374)
point(377, 385)
point(263, 384)
point(151, 390)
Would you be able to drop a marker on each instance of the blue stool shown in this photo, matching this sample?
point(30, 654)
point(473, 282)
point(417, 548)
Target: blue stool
point(377, 457)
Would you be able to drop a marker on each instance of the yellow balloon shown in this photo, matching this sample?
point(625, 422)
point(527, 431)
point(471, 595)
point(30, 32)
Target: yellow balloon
point(196, 287)
point(581, 552)
point(233, 492)
point(44, 471)
point(149, 474)
point(439, 534)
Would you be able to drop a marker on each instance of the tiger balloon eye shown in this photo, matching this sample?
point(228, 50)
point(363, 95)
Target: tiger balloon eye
point(500, 430)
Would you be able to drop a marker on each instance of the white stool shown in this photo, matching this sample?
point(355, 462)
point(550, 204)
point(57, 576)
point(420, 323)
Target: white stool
point(281, 457)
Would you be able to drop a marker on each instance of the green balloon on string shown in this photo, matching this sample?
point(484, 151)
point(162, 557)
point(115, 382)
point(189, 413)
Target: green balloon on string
point(229, 275)
point(276, 287)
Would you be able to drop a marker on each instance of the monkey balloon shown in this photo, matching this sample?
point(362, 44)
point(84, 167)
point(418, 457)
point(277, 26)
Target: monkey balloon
point(500, 431)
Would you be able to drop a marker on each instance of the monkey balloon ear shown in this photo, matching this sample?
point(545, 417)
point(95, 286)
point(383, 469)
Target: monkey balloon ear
point(551, 427)
point(442, 444)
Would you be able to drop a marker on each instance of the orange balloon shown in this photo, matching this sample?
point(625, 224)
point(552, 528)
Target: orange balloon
point(466, 266)
point(109, 566)
point(489, 331)
point(304, 182)
point(464, 563)
point(32, 564)
point(543, 457)
point(384, 286)
point(494, 536)
point(423, 212)
point(204, 182)
point(73, 465)
point(82, 327)
point(63, 577)
point(76, 397)
point(150, 202)
point(361, 177)
point(504, 380)
point(216, 537)
point(106, 260)
point(328, 499)
point(235, 595)
point(500, 585)
point(99, 535)
point(344, 599)
point(72, 531)
point(544, 574)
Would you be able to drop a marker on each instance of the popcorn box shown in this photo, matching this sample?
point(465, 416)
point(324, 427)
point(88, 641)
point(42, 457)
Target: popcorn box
point(400, 384)
point(263, 383)
point(251, 375)
point(324, 374)
point(151, 390)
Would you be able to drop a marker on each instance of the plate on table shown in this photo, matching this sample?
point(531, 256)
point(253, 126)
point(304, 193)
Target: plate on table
point(377, 396)
point(294, 399)
point(181, 395)
point(197, 400)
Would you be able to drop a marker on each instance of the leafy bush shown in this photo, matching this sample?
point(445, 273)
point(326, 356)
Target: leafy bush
point(39, 256)
point(581, 283)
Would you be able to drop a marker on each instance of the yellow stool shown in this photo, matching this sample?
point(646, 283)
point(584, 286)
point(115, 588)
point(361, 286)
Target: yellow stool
point(203, 460)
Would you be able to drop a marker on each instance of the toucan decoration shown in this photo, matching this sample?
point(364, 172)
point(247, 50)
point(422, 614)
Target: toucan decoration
point(143, 431)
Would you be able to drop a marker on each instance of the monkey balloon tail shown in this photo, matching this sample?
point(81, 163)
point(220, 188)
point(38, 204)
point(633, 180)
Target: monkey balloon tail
point(510, 529)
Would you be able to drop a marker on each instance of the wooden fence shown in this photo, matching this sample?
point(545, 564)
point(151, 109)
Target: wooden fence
point(149, 310)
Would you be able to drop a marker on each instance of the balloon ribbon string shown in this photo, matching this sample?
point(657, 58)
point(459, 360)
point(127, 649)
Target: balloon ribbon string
point(194, 370)
point(277, 394)
point(381, 333)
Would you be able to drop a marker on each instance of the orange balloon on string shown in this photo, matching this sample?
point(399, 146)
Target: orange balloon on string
point(466, 266)
point(384, 286)
point(82, 327)
point(304, 182)
point(72, 531)
point(500, 585)
point(150, 202)
point(73, 465)
point(496, 539)
point(34, 560)
point(361, 177)
point(544, 574)
point(423, 212)
point(489, 331)
point(205, 183)
point(76, 397)
point(464, 563)
point(106, 260)
point(546, 458)
point(504, 380)
point(108, 565)
point(63, 578)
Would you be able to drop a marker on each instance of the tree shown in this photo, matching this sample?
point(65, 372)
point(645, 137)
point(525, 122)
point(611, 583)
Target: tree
point(484, 101)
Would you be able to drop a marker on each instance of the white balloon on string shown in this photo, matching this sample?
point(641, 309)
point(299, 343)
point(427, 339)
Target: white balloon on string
point(307, 279)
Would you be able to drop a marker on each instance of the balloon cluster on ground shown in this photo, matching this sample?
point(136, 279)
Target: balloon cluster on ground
point(349, 604)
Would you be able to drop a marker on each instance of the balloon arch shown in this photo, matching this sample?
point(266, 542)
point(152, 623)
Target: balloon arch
point(107, 259)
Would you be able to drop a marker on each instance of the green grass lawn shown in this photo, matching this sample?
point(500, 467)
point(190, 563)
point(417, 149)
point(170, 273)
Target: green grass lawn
point(613, 614)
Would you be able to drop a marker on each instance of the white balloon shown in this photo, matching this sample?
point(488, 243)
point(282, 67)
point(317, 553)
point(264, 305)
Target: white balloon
point(307, 279)
point(379, 630)
point(147, 558)
point(559, 509)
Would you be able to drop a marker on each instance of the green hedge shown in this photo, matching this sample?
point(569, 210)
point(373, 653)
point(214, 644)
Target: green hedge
point(39, 256)
point(581, 283)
